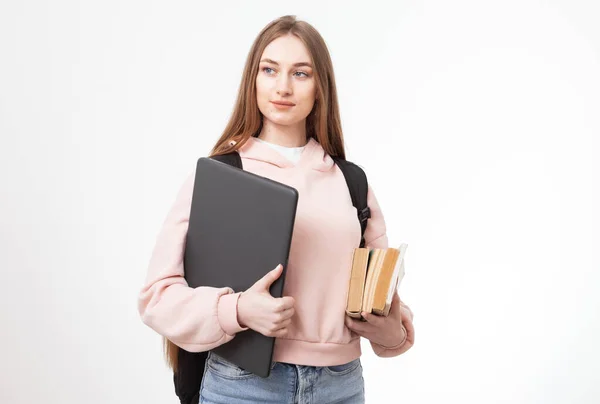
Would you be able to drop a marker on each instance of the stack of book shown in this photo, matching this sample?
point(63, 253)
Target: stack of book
point(375, 276)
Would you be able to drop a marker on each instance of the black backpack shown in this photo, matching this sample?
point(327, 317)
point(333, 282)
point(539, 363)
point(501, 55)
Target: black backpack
point(190, 365)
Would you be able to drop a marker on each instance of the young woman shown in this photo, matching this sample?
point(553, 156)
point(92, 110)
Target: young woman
point(285, 126)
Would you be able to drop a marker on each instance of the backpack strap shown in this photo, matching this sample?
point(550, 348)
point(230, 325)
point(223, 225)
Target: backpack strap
point(233, 159)
point(188, 377)
point(358, 187)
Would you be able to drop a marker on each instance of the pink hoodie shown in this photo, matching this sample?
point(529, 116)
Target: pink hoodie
point(326, 231)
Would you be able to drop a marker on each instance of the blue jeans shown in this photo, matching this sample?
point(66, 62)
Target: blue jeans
point(226, 383)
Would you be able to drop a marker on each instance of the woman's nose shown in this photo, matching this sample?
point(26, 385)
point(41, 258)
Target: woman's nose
point(283, 85)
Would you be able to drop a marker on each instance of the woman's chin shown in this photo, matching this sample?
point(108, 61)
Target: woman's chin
point(279, 119)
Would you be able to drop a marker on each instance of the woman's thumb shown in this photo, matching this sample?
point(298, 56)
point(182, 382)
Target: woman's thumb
point(271, 276)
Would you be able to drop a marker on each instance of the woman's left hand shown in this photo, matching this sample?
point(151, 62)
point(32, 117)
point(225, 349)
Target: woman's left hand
point(390, 331)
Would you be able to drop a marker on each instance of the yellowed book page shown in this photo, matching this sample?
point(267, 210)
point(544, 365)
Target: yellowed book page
point(385, 280)
point(356, 285)
point(372, 275)
point(389, 284)
point(398, 273)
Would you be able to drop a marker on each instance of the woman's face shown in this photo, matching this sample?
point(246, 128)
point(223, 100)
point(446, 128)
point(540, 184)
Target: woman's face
point(285, 75)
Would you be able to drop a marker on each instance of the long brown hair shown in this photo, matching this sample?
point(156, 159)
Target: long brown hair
point(322, 124)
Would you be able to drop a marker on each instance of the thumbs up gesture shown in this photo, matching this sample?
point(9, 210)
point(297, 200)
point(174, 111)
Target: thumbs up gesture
point(263, 313)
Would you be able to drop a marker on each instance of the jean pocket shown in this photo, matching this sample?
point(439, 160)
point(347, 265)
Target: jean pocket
point(338, 370)
point(226, 369)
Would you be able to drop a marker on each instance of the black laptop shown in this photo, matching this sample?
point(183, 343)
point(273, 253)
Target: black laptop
point(240, 228)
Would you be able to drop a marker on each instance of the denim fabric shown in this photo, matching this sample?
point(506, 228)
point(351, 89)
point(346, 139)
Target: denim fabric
point(226, 383)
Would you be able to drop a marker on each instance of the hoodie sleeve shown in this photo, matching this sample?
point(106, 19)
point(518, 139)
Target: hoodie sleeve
point(376, 237)
point(195, 319)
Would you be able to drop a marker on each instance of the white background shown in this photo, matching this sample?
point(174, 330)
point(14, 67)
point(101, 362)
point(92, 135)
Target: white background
point(478, 125)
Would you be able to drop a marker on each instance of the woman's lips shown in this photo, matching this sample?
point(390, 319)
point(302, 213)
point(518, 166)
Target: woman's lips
point(281, 106)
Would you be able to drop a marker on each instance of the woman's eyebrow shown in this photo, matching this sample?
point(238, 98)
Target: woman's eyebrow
point(295, 64)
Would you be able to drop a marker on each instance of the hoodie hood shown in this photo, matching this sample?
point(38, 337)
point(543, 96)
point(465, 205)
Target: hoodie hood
point(313, 156)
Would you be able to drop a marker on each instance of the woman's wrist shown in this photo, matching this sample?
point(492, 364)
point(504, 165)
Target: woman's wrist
point(401, 343)
point(240, 320)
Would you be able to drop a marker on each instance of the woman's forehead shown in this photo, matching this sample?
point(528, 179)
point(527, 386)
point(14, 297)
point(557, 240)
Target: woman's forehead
point(286, 50)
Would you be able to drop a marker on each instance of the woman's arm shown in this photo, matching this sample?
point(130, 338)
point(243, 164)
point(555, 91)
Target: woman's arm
point(195, 319)
point(376, 237)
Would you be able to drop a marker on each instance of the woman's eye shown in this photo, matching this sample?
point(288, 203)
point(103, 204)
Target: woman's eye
point(269, 70)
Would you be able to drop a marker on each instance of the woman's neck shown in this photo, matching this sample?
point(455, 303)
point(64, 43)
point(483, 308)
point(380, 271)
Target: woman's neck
point(288, 136)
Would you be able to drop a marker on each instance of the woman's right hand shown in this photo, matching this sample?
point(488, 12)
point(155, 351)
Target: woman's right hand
point(263, 313)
